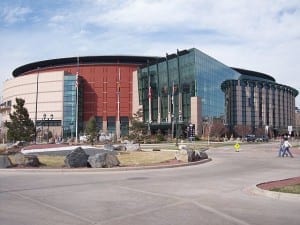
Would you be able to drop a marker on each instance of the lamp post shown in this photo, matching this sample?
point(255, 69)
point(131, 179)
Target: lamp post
point(208, 121)
point(49, 118)
point(176, 131)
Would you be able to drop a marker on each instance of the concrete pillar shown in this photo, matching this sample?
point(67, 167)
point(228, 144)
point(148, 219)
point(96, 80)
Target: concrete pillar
point(104, 126)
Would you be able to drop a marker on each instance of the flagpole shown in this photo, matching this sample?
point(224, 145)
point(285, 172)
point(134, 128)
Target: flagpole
point(77, 84)
point(173, 108)
point(36, 101)
point(118, 125)
point(149, 100)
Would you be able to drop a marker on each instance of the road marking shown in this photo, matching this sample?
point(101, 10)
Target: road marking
point(185, 200)
point(62, 211)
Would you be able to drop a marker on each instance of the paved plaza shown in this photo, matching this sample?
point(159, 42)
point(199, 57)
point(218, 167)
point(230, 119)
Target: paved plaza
point(221, 191)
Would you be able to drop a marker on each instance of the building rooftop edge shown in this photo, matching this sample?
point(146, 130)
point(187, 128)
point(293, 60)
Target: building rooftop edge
point(138, 60)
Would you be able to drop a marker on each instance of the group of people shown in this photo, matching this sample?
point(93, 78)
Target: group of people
point(284, 149)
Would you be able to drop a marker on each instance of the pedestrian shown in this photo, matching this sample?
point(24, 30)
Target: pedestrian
point(281, 148)
point(287, 147)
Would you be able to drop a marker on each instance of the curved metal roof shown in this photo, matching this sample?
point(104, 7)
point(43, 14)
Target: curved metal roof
point(249, 74)
point(135, 60)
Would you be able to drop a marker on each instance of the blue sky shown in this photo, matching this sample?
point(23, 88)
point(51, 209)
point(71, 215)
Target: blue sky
point(260, 35)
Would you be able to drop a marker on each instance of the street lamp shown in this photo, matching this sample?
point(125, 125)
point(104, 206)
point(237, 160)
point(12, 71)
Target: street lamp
point(208, 121)
point(49, 118)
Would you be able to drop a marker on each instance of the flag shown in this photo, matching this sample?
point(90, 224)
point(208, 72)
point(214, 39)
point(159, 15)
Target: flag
point(149, 92)
point(118, 87)
point(76, 81)
point(173, 92)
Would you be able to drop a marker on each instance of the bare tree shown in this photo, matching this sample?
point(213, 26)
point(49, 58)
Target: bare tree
point(242, 130)
point(218, 129)
point(260, 131)
point(138, 128)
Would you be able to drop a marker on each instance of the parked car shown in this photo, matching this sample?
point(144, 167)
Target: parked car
point(263, 138)
point(250, 138)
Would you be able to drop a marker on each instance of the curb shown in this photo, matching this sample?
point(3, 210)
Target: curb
point(71, 170)
point(273, 194)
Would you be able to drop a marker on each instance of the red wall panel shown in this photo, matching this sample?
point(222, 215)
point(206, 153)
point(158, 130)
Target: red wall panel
point(100, 88)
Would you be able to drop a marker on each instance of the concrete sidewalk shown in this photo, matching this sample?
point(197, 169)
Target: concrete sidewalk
point(216, 192)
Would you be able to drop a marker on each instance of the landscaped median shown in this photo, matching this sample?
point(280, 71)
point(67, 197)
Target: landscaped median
point(286, 189)
point(135, 159)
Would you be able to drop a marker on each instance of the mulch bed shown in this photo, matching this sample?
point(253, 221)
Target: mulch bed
point(279, 183)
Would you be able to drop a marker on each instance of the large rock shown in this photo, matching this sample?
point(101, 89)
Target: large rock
point(5, 161)
point(27, 160)
point(119, 147)
point(108, 147)
point(32, 161)
point(20, 159)
point(3, 148)
point(182, 147)
point(181, 155)
point(77, 158)
point(103, 160)
point(132, 147)
point(196, 155)
point(189, 155)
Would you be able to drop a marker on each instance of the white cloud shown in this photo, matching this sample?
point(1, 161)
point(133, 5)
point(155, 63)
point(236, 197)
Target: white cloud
point(257, 35)
point(14, 14)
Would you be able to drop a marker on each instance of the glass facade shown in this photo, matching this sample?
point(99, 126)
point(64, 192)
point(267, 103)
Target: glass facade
point(167, 85)
point(124, 125)
point(69, 106)
point(209, 76)
point(111, 124)
point(260, 104)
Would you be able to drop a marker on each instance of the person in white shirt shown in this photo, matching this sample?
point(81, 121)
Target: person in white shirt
point(287, 147)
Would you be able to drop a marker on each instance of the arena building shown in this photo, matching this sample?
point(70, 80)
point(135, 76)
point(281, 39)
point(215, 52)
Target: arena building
point(187, 88)
point(106, 88)
point(257, 101)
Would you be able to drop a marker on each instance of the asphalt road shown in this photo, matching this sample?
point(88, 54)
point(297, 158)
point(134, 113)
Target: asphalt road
point(217, 192)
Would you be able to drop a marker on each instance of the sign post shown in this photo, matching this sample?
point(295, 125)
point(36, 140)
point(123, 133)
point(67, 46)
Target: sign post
point(237, 147)
point(290, 129)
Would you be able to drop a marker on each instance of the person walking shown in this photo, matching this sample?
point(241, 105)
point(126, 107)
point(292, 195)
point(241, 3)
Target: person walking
point(281, 147)
point(287, 146)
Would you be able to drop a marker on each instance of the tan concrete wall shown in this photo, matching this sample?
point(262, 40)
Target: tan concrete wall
point(135, 93)
point(196, 114)
point(50, 94)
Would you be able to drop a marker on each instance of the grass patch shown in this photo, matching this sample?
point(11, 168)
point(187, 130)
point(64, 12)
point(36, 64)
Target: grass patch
point(138, 158)
point(46, 160)
point(144, 158)
point(52, 161)
point(294, 189)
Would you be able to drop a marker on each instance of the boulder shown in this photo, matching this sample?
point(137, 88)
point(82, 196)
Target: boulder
point(203, 155)
point(20, 159)
point(76, 158)
point(5, 161)
point(196, 155)
point(27, 160)
point(189, 155)
point(132, 147)
point(32, 161)
point(181, 155)
point(182, 147)
point(108, 147)
point(3, 148)
point(119, 147)
point(111, 147)
point(103, 160)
